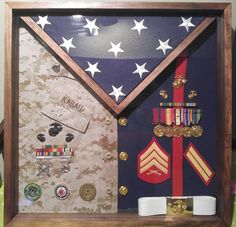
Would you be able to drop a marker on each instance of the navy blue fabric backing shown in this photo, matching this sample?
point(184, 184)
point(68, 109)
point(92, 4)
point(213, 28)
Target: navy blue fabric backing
point(201, 76)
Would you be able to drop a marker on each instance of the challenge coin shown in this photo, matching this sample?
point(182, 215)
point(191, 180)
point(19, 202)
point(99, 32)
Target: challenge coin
point(32, 191)
point(62, 191)
point(87, 192)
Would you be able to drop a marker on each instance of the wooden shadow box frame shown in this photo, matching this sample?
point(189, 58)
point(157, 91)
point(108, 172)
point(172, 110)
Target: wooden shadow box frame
point(19, 11)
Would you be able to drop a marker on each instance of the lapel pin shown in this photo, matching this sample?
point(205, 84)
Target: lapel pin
point(179, 82)
point(163, 94)
point(192, 94)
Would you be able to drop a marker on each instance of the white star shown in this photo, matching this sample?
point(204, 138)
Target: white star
point(186, 23)
point(91, 26)
point(115, 48)
point(92, 68)
point(164, 46)
point(67, 43)
point(117, 92)
point(43, 21)
point(140, 69)
point(139, 26)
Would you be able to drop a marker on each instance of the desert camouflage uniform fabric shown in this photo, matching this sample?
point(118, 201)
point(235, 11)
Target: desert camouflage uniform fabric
point(43, 88)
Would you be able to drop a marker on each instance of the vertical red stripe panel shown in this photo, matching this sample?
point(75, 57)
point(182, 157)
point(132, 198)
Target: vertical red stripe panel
point(177, 142)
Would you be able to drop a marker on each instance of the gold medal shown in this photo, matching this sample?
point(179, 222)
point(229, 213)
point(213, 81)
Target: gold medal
point(186, 131)
point(196, 131)
point(177, 131)
point(159, 130)
point(169, 132)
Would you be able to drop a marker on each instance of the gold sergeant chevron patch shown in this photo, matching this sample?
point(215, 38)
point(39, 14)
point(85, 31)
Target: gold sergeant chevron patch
point(199, 164)
point(154, 163)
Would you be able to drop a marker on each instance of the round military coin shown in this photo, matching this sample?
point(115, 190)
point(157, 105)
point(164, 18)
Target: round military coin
point(196, 131)
point(32, 191)
point(62, 191)
point(177, 131)
point(169, 132)
point(87, 192)
point(186, 131)
point(159, 130)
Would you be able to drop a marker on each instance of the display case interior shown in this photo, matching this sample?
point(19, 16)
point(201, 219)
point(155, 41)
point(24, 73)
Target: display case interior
point(106, 105)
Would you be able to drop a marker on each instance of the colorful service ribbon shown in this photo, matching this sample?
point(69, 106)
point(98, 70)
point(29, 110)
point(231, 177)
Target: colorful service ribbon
point(54, 151)
point(162, 116)
point(177, 116)
point(178, 104)
point(168, 116)
point(155, 116)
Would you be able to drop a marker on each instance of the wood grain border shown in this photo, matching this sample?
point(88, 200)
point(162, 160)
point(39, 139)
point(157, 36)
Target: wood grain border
point(118, 5)
point(1, 133)
point(224, 110)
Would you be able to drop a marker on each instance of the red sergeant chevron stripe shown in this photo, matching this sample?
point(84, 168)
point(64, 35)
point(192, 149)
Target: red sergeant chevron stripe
point(154, 163)
point(199, 164)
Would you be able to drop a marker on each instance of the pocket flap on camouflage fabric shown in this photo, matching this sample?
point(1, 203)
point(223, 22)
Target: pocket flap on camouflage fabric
point(67, 117)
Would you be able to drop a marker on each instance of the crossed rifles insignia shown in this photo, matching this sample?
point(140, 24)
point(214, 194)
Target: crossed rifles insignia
point(154, 163)
point(44, 167)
